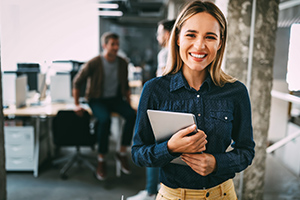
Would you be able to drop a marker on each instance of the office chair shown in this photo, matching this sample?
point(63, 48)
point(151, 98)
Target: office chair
point(72, 130)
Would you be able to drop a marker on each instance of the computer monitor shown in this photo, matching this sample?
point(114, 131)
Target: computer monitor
point(71, 67)
point(14, 89)
point(21, 91)
point(60, 88)
point(31, 70)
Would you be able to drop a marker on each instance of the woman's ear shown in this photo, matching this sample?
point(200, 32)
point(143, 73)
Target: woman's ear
point(177, 41)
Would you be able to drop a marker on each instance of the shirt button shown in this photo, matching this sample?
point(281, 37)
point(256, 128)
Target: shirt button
point(198, 95)
point(199, 114)
point(207, 194)
point(226, 118)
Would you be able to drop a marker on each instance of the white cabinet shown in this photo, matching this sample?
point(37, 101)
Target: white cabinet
point(19, 147)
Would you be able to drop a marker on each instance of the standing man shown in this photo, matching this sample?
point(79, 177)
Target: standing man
point(163, 34)
point(107, 91)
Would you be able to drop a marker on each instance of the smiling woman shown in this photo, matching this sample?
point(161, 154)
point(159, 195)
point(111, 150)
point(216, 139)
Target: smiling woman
point(195, 83)
point(198, 41)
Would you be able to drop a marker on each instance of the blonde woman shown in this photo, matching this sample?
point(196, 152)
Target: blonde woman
point(195, 83)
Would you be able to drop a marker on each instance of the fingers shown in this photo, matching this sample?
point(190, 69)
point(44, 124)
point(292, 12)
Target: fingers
point(79, 111)
point(203, 164)
point(187, 130)
point(198, 142)
point(182, 143)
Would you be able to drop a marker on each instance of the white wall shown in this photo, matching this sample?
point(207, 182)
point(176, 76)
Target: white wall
point(39, 31)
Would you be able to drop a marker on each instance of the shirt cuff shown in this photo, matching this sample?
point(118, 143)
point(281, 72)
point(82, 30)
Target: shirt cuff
point(163, 152)
point(223, 164)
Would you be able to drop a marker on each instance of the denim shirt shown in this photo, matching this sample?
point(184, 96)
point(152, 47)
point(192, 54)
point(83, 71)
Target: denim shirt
point(223, 113)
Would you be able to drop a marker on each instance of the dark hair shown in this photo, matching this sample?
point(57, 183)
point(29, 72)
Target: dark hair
point(167, 24)
point(108, 35)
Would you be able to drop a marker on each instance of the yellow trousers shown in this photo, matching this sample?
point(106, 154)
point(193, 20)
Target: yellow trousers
point(224, 191)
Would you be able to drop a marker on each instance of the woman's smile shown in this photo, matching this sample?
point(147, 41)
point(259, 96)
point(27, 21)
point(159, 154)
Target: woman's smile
point(199, 41)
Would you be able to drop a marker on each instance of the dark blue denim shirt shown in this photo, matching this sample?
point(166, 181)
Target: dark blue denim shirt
point(223, 113)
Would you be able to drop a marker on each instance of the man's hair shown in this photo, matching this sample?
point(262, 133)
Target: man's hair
point(167, 24)
point(108, 35)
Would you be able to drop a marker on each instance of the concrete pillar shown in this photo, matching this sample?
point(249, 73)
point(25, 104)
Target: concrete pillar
point(2, 150)
point(261, 75)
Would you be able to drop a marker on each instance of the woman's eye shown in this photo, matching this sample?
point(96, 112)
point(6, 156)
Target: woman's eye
point(190, 35)
point(211, 37)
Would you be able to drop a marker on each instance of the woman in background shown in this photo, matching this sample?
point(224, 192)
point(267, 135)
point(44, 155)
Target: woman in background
point(195, 83)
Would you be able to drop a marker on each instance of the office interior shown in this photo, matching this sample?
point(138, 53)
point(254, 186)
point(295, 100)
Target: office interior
point(44, 44)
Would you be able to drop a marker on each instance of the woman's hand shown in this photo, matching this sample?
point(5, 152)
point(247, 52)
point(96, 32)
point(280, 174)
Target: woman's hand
point(203, 164)
point(180, 142)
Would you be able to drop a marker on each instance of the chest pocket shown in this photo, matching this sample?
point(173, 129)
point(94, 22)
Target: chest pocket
point(223, 116)
point(222, 124)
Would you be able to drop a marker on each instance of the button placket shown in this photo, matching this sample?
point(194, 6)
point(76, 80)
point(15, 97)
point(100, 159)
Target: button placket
point(198, 96)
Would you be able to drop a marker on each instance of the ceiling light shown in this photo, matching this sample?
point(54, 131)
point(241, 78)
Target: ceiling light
point(110, 13)
point(109, 5)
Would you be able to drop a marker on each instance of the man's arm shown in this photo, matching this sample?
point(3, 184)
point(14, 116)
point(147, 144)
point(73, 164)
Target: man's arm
point(78, 109)
point(76, 95)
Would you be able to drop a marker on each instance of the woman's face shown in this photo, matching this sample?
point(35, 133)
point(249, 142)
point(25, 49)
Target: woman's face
point(198, 41)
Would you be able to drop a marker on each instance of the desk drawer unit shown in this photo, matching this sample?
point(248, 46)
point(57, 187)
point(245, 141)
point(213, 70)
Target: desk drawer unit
point(19, 147)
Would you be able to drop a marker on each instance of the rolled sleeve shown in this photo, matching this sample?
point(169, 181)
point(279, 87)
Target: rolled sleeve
point(242, 135)
point(145, 150)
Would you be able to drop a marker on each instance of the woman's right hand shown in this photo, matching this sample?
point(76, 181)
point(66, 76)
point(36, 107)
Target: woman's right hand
point(180, 142)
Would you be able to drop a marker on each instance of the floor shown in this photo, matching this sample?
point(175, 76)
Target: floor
point(280, 183)
point(81, 183)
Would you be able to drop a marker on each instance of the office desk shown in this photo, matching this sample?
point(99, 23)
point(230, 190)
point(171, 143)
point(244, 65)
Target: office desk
point(39, 112)
point(25, 156)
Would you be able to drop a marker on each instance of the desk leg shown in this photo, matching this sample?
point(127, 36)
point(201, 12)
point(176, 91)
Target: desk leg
point(50, 138)
point(118, 144)
point(119, 134)
point(36, 147)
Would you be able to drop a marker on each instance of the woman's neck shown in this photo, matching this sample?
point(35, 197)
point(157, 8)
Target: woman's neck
point(194, 78)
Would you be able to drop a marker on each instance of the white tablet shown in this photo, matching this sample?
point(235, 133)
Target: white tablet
point(165, 123)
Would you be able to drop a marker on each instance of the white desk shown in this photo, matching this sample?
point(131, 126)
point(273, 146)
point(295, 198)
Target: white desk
point(46, 111)
point(16, 160)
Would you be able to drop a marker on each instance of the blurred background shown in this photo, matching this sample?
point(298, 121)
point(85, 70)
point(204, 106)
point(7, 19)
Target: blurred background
point(57, 37)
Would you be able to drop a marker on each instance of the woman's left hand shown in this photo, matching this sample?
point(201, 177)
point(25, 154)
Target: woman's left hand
point(203, 163)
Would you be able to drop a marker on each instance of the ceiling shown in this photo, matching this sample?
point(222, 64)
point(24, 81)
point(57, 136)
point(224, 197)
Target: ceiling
point(137, 11)
point(289, 13)
point(149, 12)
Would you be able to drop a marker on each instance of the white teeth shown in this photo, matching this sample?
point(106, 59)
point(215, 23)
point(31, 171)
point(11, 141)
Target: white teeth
point(198, 56)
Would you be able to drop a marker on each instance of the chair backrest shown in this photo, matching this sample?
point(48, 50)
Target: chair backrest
point(71, 130)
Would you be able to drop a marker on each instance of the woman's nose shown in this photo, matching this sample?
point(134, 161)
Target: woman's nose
point(199, 43)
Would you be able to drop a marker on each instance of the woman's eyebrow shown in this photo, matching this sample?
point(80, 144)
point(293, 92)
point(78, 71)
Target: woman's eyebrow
point(191, 31)
point(212, 33)
point(194, 31)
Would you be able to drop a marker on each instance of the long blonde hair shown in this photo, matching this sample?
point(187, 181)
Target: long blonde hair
point(175, 63)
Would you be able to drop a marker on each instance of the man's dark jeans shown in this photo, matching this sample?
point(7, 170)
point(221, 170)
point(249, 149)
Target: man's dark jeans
point(102, 109)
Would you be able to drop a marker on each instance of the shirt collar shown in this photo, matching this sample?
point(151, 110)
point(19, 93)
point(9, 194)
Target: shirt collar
point(178, 81)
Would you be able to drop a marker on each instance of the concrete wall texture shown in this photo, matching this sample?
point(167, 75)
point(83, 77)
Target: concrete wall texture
point(239, 24)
